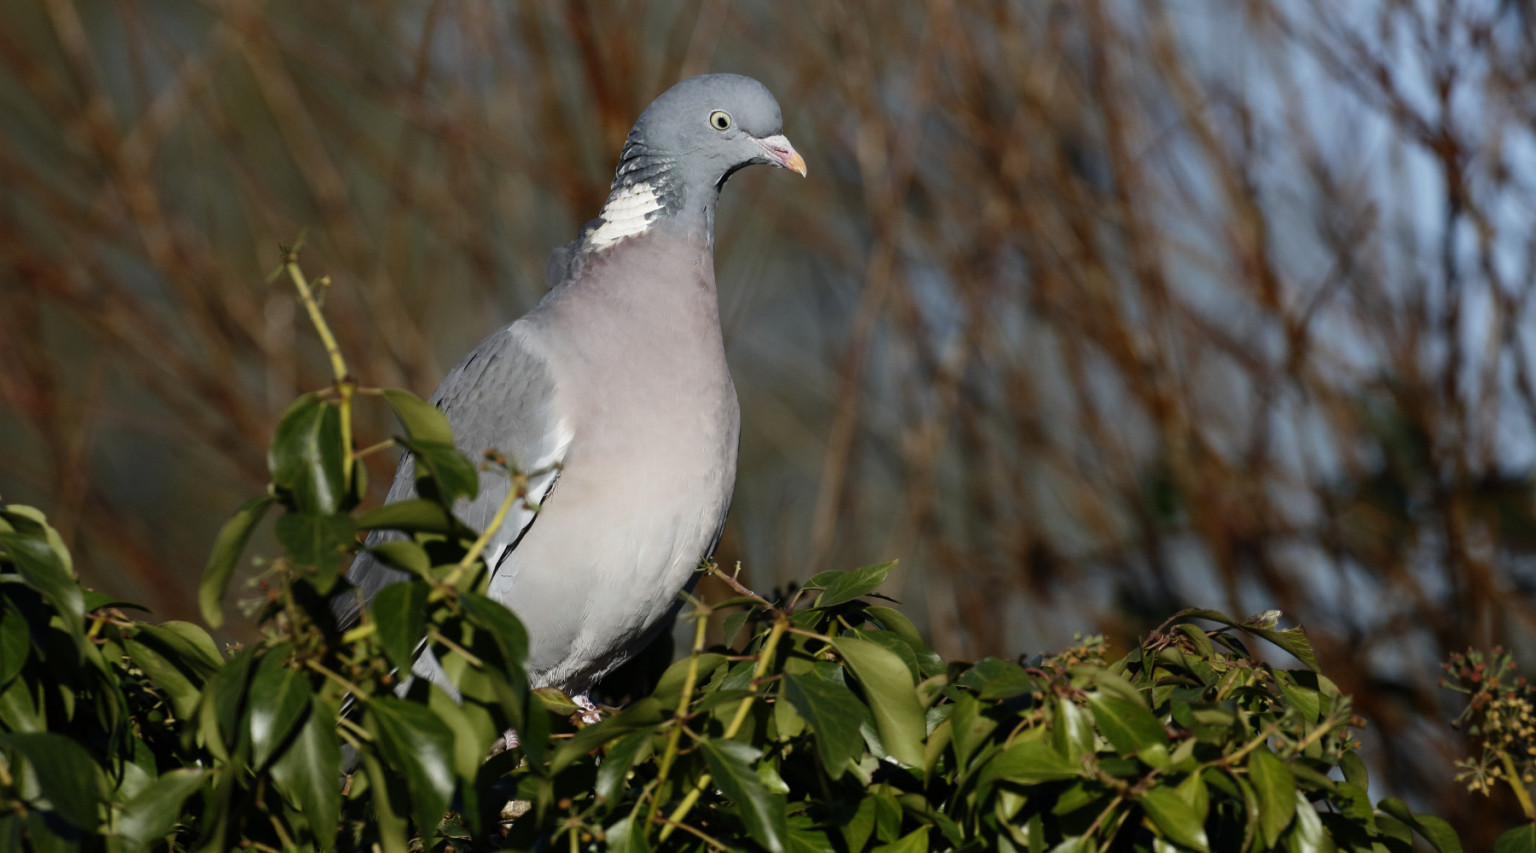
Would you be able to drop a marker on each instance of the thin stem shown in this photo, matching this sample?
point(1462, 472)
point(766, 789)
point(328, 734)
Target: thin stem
point(1236, 757)
point(764, 657)
point(357, 692)
point(434, 634)
point(740, 588)
point(1119, 798)
point(757, 675)
point(513, 494)
point(345, 387)
point(374, 448)
point(1517, 786)
point(350, 730)
point(701, 625)
point(697, 833)
point(307, 296)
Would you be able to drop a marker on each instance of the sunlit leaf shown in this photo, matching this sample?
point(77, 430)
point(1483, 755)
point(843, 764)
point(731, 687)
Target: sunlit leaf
point(1432, 829)
point(66, 775)
point(422, 420)
point(453, 476)
point(730, 765)
point(155, 811)
point(308, 456)
point(279, 697)
point(833, 713)
point(42, 568)
point(306, 771)
point(415, 743)
point(321, 541)
point(412, 515)
point(842, 587)
point(399, 610)
point(892, 696)
point(1128, 726)
point(1029, 761)
point(1174, 818)
point(1276, 790)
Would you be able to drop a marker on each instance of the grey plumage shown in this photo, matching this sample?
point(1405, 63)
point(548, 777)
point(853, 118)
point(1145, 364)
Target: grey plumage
point(616, 387)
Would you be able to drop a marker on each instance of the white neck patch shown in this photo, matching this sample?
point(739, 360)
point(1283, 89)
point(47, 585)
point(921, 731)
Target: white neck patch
point(627, 213)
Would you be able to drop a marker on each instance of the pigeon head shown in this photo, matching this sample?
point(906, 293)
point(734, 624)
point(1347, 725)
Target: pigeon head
point(684, 147)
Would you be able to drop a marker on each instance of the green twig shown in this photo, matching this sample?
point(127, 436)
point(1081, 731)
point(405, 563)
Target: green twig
point(345, 387)
point(1516, 785)
point(764, 657)
point(670, 754)
point(357, 692)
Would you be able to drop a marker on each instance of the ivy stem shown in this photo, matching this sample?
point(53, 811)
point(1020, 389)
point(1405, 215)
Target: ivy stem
point(701, 624)
point(1516, 785)
point(351, 688)
point(740, 588)
point(1242, 752)
point(434, 634)
point(697, 833)
point(345, 387)
point(763, 660)
point(764, 657)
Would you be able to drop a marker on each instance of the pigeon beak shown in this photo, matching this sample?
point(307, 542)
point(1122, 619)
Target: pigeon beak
point(781, 153)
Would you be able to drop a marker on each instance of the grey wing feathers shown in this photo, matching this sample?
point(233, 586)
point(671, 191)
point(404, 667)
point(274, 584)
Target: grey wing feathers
point(500, 396)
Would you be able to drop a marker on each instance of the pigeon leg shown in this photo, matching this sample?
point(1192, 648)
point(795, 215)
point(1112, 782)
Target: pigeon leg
point(589, 712)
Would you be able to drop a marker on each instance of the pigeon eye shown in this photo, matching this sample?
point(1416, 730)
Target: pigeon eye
point(720, 120)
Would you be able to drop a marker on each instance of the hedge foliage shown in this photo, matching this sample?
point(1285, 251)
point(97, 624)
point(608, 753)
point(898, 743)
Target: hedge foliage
point(822, 722)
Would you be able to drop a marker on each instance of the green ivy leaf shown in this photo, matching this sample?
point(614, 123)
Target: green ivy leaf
point(42, 568)
point(403, 554)
point(308, 458)
point(306, 771)
point(730, 765)
point(1308, 834)
point(227, 549)
point(913, 842)
point(1292, 640)
point(219, 706)
point(1174, 818)
point(1432, 829)
point(994, 679)
point(172, 672)
point(842, 587)
point(279, 696)
point(417, 744)
point(833, 713)
point(422, 420)
point(154, 812)
point(970, 726)
point(1128, 726)
point(1521, 839)
point(399, 612)
point(1276, 790)
point(15, 641)
point(67, 777)
point(412, 515)
point(504, 625)
point(891, 696)
point(669, 689)
point(452, 474)
point(1027, 762)
point(320, 541)
point(627, 836)
point(616, 763)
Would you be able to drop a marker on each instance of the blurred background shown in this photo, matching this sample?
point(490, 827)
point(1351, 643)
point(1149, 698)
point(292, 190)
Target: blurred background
point(1089, 311)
